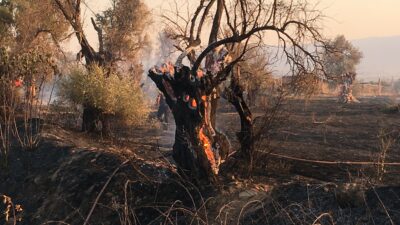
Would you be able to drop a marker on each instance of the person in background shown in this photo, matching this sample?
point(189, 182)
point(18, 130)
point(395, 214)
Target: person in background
point(163, 110)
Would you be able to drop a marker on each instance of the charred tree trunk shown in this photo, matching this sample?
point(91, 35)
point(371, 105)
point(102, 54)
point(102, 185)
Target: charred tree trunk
point(198, 149)
point(105, 124)
point(246, 134)
point(214, 107)
point(95, 120)
point(90, 118)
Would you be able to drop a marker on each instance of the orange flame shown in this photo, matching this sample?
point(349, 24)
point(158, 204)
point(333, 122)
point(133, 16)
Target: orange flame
point(200, 73)
point(206, 144)
point(170, 68)
point(167, 68)
point(193, 103)
point(18, 83)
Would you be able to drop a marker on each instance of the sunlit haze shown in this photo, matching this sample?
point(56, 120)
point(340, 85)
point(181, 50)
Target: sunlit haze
point(368, 23)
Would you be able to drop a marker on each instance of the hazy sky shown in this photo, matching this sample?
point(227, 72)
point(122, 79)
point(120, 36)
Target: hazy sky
point(362, 18)
point(355, 19)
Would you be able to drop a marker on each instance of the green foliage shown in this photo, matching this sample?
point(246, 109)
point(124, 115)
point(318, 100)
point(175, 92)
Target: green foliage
point(6, 20)
point(123, 25)
point(38, 23)
point(26, 24)
point(30, 65)
point(341, 57)
point(109, 92)
point(5, 16)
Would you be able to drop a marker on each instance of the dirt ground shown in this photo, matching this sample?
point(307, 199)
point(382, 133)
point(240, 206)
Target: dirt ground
point(323, 129)
point(132, 179)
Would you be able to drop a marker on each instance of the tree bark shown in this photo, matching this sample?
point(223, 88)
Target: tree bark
point(90, 118)
point(95, 120)
point(91, 115)
point(198, 149)
point(246, 134)
point(105, 124)
point(209, 61)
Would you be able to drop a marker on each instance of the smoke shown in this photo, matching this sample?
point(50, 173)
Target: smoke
point(48, 92)
point(160, 50)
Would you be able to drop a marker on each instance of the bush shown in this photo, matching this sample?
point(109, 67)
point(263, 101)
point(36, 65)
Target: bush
point(112, 93)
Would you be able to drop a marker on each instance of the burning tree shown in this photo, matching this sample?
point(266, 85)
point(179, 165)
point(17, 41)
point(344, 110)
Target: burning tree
point(192, 92)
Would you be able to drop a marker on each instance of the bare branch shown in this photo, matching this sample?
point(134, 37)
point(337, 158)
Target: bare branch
point(216, 22)
point(99, 34)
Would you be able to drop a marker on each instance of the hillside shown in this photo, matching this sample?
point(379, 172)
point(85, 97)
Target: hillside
point(381, 58)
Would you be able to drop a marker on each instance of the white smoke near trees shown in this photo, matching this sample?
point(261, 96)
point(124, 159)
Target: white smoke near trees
point(160, 51)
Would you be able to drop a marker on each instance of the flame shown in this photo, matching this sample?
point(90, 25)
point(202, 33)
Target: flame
point(206, 144)
point(186, 98)
point(18, 82)
point(170, 68)
point(200, 73)
point(166, 68)
point(193, 103)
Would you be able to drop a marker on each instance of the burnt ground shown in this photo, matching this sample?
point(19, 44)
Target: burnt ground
point(322, 129)
point(60, 181)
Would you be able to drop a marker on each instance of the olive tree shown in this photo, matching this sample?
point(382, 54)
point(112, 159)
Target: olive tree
point(120, 31)
point(341, 57)
point(191, 91)
point(340, 61)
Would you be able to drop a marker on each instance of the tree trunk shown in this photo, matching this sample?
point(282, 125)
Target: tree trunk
point(105, 124)
point(72, 13)
point(214, 107)
point(246, 134)
point(90, 118)
point(94, 120)
point(198, 149)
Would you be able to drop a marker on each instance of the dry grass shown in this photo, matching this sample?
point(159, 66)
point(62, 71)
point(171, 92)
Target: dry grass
point(386, 141)
point(12, 213)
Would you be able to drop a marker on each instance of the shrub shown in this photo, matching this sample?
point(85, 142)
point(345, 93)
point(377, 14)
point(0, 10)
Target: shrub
point(112, 93)
point(22, 75)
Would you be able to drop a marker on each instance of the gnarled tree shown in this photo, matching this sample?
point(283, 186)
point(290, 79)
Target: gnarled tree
point(191, 91)
point(120, 36)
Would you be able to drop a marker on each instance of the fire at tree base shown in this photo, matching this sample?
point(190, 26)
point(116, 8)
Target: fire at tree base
point(199, 149)
point(346, 92)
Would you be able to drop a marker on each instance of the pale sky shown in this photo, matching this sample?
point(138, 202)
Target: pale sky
point(356, 19)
